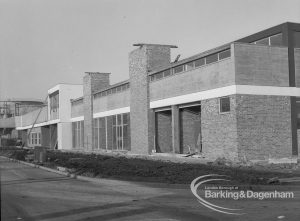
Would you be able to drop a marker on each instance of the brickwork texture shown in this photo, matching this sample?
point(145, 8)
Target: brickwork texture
point(141, 61)
point(261, 65)
point(219, 130)
point(264, 126)
point(91, 83)
point(297, 67)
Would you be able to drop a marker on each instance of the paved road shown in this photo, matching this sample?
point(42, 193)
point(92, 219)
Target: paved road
point(33, 194)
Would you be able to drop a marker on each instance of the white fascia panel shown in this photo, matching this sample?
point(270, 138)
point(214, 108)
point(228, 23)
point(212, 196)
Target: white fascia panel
point(268, 90)
point(112, 112)
point(55, 88)
point(213, 93)
point(80, 118)
point(39, 124)
point(203, 95)
point(226, 91)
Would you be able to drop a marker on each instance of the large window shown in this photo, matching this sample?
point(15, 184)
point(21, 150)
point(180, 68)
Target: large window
point(120, 132)
point(100, 133)
point(112, 132)
point(178, 69)
point(224, 54)
point(112, 90)
point(54, 105)
point(274, 40)
point(264, 41)
point(35, 138)
point(77, 134)
point(211, 58)
point(167, 73)
point(159, 75)
point(192, 65)
point(297, 39)
point(200, 62)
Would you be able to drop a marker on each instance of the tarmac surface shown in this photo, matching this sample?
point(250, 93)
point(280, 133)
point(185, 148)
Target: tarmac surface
point(29, 193)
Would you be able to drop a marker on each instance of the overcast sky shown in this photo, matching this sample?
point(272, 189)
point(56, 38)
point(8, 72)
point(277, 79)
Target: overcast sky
point(46, 42)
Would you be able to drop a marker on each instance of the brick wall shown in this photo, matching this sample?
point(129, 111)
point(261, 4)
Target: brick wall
point(112, 101)
point(261, 65)
point(298, 135)
point(139, 100)
point(219, 130)
point(158, 56)
point(297, 67)
point(215, 75)
point(141, 61)
point(91, 83)
point(264, 126)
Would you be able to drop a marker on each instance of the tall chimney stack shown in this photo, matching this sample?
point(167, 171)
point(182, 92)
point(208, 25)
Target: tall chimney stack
point(144, 59)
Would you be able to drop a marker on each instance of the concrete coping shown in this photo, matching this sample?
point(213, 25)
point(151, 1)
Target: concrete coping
point(76, 99)
point(163, 45)
point(89, 72)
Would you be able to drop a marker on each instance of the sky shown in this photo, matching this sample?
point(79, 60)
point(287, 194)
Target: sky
point(47, 42)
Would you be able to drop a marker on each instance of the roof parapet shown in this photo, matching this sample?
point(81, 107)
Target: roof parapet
point(90, 72)
point(163, 45)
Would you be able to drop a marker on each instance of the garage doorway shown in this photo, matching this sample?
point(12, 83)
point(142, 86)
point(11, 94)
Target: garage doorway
point(190, 128)
point(163, 131)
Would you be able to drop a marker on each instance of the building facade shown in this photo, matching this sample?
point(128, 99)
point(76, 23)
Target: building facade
point(12, 108)
point(50, 126)
point(238, 101)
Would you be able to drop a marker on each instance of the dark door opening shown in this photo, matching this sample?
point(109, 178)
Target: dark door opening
point(190, 129)
point(163, 131)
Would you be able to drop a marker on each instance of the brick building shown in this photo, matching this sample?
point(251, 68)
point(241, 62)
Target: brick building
point(238, 101)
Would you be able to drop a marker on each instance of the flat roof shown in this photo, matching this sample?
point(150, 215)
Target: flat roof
point(163, 45)
point(24, 100)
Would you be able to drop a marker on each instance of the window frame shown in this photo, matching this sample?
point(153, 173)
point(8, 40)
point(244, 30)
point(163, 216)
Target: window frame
point(192, 65)
point(222, 53)
point(211, 56)
point(35, 138)
point(182, 67)
point(78, 138)
point(220, 105)
point(272, 36)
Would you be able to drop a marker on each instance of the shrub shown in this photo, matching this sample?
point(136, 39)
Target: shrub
point(19, 154)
